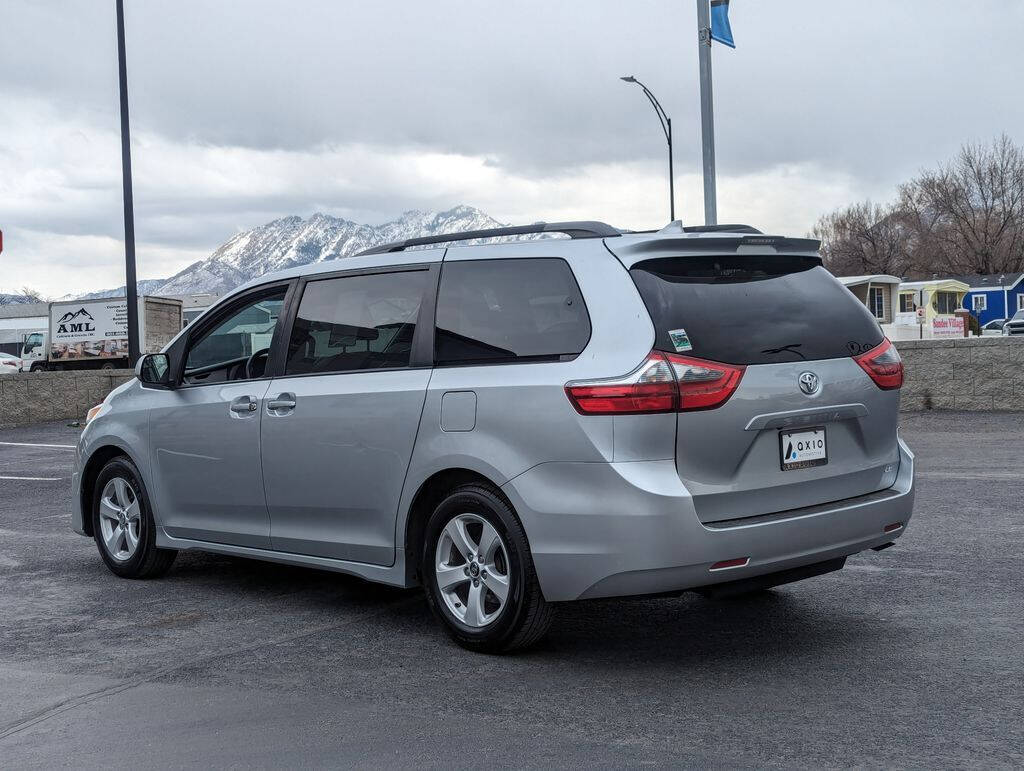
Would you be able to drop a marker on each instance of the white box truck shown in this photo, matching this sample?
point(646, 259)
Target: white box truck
point(93, 334)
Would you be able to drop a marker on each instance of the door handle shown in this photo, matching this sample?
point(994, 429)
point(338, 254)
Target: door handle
point(285, 401)
point(243, 404)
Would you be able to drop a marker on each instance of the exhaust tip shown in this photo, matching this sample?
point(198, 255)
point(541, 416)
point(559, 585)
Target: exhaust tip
point(893, 527)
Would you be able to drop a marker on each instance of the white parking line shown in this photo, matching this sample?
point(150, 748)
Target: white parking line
point(968, 474)
point(29, 444)
point(35, 479)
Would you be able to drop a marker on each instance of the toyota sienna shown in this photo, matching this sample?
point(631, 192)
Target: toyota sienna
point(516, 425)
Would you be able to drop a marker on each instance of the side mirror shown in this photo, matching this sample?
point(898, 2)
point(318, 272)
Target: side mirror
point(154, 369)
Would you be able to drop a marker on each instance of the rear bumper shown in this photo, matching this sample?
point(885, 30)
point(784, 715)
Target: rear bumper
point(615, 529)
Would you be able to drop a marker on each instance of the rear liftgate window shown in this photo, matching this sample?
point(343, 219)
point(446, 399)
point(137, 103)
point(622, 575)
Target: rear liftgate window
point(753, 309)
point(506, 311)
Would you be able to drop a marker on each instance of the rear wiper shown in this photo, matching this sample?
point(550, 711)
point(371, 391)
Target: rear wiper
point(786, 349)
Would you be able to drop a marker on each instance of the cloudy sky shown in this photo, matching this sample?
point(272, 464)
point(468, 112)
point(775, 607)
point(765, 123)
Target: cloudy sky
point(248, 110)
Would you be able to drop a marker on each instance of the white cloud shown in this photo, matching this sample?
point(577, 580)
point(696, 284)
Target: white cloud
point(63, 193)
point(266, 109)
point(56, 264)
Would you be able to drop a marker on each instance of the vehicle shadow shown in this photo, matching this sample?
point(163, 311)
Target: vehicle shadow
point(790, 622)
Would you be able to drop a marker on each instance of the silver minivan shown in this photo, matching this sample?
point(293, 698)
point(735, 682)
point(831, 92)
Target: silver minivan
point(515, 425)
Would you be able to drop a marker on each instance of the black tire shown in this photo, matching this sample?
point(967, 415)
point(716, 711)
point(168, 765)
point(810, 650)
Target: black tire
point(525, 616)
point(147, 561)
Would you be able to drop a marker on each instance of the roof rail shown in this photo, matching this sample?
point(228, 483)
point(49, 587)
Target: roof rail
point(721, 229)
point(582, 229)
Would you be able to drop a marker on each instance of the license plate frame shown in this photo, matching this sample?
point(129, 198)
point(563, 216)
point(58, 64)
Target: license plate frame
point(806, 458)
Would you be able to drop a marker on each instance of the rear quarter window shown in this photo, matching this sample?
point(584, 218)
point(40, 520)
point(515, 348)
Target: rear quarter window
point(508, 311)
point(753, 310)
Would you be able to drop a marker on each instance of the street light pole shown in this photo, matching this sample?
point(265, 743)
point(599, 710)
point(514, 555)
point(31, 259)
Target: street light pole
point(666, 126)
point(129, 209)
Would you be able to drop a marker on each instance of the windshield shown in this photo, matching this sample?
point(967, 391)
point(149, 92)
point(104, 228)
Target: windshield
point(1018, 316)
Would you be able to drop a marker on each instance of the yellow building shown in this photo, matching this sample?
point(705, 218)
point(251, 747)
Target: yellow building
point(940, 298)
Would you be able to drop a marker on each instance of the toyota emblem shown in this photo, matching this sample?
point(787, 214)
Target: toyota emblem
point(809, 383)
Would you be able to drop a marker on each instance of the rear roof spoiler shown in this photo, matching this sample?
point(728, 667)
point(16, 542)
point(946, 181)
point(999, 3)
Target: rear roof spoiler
point(633, 249)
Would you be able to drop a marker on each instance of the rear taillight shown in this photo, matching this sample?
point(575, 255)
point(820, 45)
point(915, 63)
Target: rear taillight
point(883, 364)
point(649, 388)
point(704, 385)
point(663, 383)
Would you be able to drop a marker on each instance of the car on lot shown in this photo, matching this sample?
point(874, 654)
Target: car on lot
point(516, 425)
point(994, 327)
point(9, 364)
point(1015, 325)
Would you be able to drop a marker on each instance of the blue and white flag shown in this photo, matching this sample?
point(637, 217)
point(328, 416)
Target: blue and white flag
point(720, 29)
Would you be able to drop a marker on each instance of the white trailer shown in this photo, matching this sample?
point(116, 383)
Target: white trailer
point(93, 334)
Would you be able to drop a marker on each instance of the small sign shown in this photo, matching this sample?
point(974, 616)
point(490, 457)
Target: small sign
point(680, 340)
point(948, 326)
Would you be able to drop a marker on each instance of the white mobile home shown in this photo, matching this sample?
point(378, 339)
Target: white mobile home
point(877, 292)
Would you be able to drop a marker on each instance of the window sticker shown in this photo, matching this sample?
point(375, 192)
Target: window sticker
point(680, 340)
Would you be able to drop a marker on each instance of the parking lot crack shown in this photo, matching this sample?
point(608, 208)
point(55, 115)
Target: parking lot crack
point(66, 705)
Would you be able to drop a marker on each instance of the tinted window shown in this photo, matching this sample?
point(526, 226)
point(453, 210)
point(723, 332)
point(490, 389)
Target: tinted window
point(356, 322)
point(753, 310)
point(248, 329)
point(492, 311)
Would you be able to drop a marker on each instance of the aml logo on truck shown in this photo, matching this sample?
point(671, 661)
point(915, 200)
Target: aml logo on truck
point(79, 321)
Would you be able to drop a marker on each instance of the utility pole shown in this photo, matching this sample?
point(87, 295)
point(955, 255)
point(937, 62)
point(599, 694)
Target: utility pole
point(130, 289)
point(707, 115)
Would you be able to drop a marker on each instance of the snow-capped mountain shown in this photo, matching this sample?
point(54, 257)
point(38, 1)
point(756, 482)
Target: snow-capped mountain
point(292, 241)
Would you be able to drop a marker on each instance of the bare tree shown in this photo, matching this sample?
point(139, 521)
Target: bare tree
point(968, 215)
point(865, 239)
point(31, 294)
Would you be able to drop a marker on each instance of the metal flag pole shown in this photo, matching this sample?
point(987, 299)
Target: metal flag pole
point(129, 208)
point(707, 116)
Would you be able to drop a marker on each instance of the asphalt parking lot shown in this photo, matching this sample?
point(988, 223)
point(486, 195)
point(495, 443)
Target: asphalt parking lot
point(910, 657)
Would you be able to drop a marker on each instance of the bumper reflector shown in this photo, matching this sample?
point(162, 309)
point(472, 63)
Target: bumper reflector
point(739, 562)
point(893, 527)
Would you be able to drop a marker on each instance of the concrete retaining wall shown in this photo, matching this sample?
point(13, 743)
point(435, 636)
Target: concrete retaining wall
point(971, 373)
point(33, 397)
point(981, 373)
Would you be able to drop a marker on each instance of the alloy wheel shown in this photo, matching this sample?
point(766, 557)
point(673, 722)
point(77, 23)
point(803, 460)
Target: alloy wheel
point(471, 568)
point(120, 519)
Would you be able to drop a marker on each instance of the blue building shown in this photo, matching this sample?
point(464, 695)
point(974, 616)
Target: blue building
point(994, 297)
